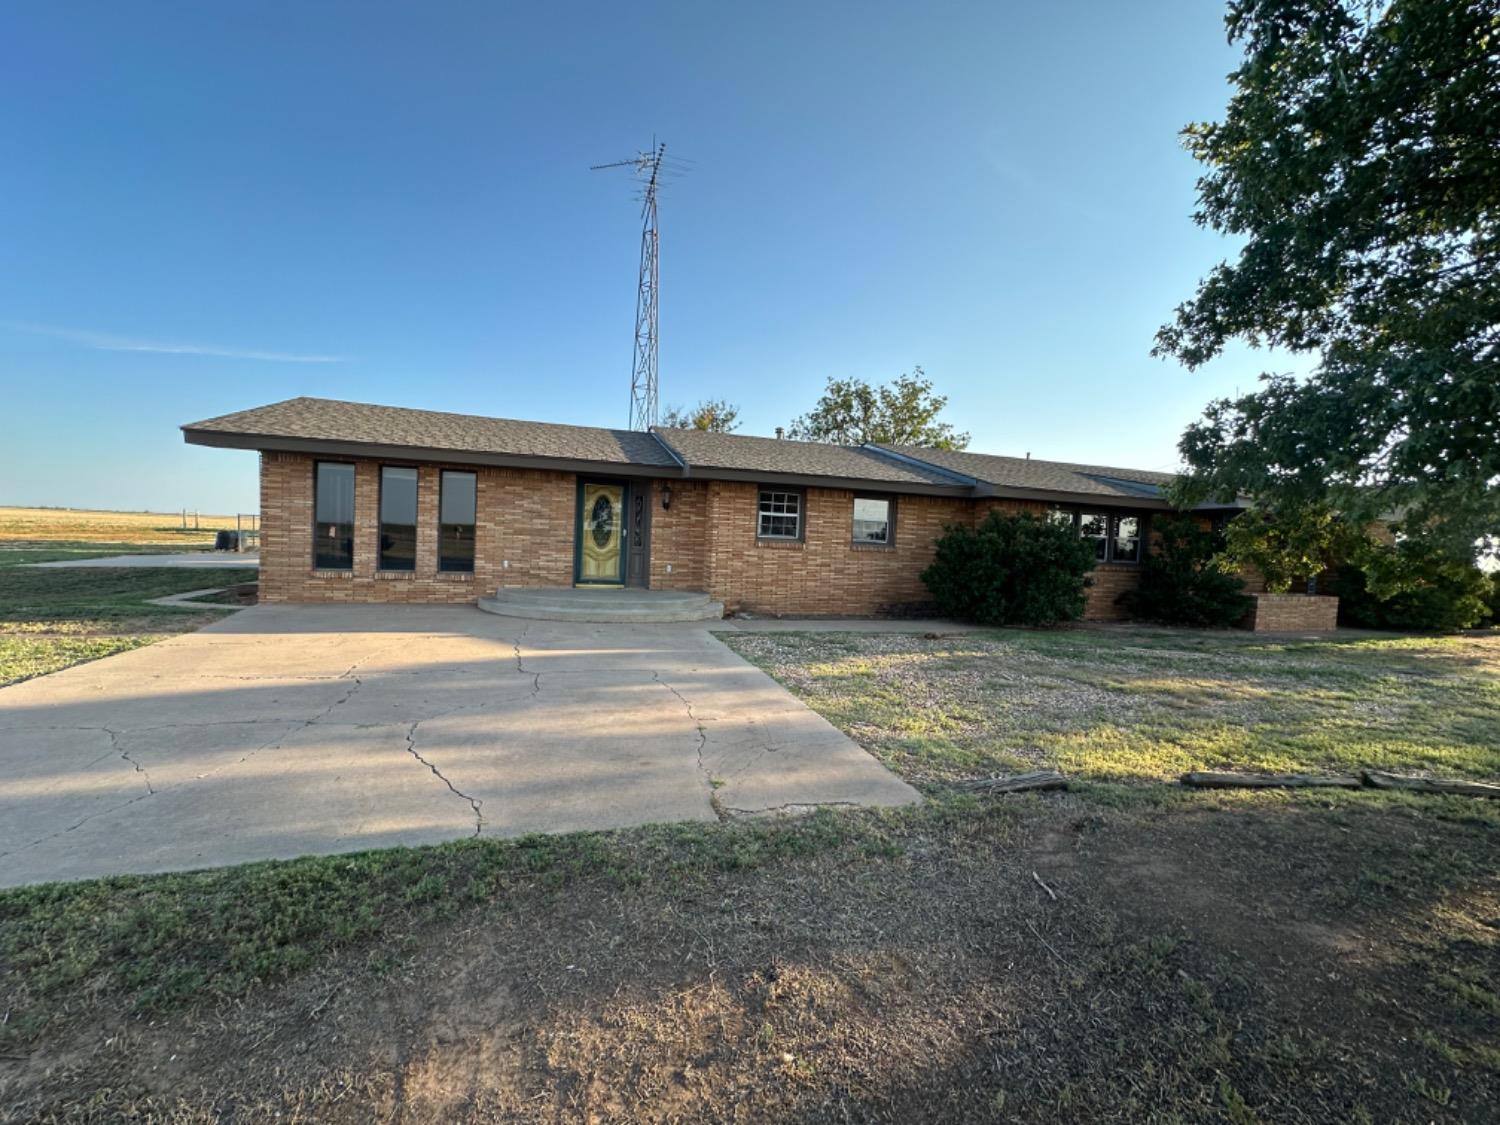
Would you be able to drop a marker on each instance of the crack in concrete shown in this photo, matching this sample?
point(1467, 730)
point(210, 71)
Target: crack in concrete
point(474, 803)
point(114, 742)
point(709, 779)
point(536, 677)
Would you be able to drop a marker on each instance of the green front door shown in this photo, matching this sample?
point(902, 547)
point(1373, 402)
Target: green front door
point(600, 550)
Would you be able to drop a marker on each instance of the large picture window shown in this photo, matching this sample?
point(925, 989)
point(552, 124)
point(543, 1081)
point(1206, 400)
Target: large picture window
point(333, 516)
point(874, 521)
point(398, 518)
point(456, 518)
point(780, 515)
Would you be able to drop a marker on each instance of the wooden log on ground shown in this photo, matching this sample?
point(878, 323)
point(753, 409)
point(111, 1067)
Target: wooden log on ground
point(1379, 780)
point(1210, 780)
point(1018, 782)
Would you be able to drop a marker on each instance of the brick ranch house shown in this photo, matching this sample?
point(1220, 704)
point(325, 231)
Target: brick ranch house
point(365, 503)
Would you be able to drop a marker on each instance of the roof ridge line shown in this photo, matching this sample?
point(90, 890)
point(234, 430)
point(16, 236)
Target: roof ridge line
point(905, 459)
point(672, 453)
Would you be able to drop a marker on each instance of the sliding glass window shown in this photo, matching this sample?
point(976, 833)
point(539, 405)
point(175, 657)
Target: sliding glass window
point(333, 516)
point(456, 510)
point(398, 518)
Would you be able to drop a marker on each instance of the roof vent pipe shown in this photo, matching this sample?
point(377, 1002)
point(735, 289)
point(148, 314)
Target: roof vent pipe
point(1028, 455)
point(780, 433)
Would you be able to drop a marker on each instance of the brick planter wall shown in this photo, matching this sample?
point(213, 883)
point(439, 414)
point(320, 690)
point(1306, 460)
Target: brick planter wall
point(1293, 613)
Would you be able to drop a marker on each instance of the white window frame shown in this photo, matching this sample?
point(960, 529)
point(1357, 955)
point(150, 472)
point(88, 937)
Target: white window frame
point(762, 514)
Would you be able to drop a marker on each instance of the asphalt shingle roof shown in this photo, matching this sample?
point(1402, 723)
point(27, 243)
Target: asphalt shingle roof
point(1044, 476)
point(742, 453)
point(322, 419)
point(700, 453)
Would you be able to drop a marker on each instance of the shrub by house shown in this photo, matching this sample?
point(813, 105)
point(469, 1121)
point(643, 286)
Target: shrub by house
point(1016, 569)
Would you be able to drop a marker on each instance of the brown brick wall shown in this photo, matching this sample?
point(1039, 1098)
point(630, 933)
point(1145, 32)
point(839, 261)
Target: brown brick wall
point(1293, 613)
point(526, 519)
point(679, 538)
point(826, 574)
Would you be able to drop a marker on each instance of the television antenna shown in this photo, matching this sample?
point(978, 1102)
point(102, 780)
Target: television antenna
point(650, 169)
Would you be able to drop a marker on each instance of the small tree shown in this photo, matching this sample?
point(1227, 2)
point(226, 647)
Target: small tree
point(1183, 582)
point(903, 412)
point(1011, 570)
point(1413, 584)
point(716, 415)
point(1290, 545)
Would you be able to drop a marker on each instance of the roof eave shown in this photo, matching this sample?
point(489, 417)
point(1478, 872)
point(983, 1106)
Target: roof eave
point(335, 447)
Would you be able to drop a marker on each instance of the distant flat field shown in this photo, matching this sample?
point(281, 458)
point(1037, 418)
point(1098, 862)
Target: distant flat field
point(53, 527)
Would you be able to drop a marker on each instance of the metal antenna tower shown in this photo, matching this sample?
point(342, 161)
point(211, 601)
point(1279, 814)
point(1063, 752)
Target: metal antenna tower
point(650, 169)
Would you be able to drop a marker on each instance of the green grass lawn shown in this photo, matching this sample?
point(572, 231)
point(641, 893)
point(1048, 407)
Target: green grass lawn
point(1136, 704)
point(53, 618)
point(17, 553)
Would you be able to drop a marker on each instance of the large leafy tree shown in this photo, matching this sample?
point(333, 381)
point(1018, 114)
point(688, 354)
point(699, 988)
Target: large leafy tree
point(716, 415)
point(1359, 161)
point(902, 412)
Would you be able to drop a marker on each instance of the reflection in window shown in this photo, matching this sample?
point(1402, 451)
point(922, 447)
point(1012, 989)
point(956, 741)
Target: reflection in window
point(1060, 516)
point(1095, 526)
point(333, 516)
point(780, 515)
point(456, 517)
point(398, 518)
point(872, 520)
point(1127, 539)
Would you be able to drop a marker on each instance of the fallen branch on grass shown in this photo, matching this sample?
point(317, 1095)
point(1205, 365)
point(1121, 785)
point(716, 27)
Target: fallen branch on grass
point(1208, 780)
point(1373, 779)
point(1050, 892)
point(1378, 780)
point(1017, 782)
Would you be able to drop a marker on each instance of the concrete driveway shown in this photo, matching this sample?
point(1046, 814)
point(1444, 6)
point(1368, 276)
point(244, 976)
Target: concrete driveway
point(287, 731)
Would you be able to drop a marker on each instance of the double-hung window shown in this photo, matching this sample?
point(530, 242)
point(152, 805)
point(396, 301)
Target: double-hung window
point(1125, 542)
point(333, 516)
point(1094, 526)
point(779, 514)
point(398, 518)
point(874, 521)
point(1115, 538)
point(456, 518)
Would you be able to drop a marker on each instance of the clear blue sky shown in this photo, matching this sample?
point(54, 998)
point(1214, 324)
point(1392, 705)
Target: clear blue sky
point(205, 207)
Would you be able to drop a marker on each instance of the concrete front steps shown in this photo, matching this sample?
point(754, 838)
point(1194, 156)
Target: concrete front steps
point(602, 605)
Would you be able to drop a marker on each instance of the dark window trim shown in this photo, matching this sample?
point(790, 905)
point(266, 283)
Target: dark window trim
point(1112, 522)
point(416, 522)
point(890, 522)
point(353, 524)
point(801, 494)
point(474, 525)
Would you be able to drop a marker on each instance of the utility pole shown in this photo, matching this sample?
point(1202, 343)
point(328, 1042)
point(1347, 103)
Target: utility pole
point(649, 169)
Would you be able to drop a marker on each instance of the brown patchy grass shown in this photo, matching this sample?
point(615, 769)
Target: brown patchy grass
point(46, 527)
point(1206, 959)
point(1141, 704)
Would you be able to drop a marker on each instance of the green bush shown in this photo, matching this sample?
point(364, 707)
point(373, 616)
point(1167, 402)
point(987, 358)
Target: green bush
point(1182, 585)
point(1011, 570)
point(1407, 587)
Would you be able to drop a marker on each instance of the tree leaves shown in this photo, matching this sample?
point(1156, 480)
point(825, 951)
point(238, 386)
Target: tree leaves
point(902, 412)
point(1359, 158)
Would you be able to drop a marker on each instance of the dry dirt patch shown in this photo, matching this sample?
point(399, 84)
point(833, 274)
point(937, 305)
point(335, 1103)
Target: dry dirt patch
point(912, 971)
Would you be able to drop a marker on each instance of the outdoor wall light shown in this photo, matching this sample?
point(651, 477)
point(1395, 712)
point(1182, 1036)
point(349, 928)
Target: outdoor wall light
point(666, 497)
